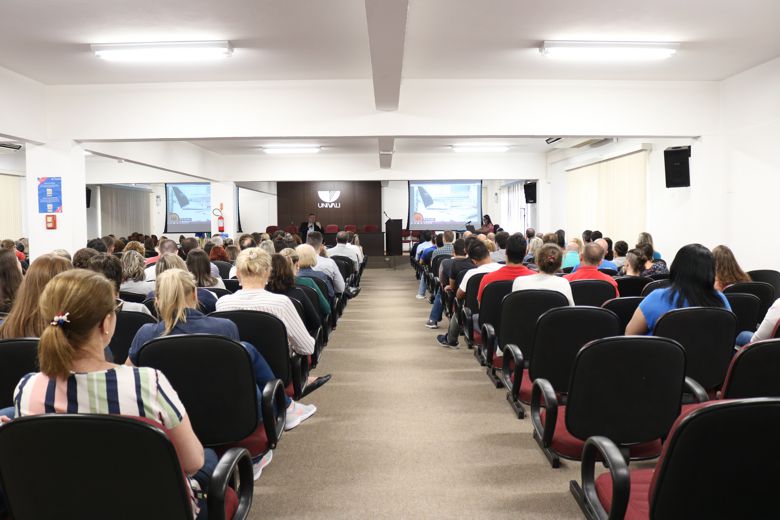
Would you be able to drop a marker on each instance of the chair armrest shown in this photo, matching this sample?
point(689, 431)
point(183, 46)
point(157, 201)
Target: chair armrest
point(618, 469)
point(699, 393)
point(274, 410)
point(512, 354)
point(235, 460)
point(300, 373)
point(468, 322)
point(542, 389)
point(489, 340)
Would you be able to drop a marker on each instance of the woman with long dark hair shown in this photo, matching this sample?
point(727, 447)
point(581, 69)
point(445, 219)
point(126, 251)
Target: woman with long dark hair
point(727, 269)
point(200, 267)
point(692, 279)
point(10, 279)
point(282, 281)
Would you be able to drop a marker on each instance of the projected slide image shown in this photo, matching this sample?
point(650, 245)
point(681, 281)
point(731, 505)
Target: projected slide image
point(444, 205)
point(188, 208)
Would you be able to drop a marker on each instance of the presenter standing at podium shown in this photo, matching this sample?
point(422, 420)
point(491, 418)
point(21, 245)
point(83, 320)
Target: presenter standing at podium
point(310, 225)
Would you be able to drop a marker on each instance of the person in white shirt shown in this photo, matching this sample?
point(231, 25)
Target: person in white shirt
point(548, 259)
point(767, 326)
point(342, 249)
point(324, 264)
point(353, 242)
point(427, 242)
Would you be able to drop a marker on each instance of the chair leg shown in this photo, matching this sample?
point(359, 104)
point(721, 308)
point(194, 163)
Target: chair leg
point(493, 376)
point(554, 460)
point(480, 355)
point(579, 497)
point(516, 405)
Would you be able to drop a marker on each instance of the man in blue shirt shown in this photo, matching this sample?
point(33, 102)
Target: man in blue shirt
point(605, 264)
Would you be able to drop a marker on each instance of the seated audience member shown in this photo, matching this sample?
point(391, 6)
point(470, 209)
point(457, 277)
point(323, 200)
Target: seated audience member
point(63, 253)
point(572, 256)
point(499, 255)
point(596, 235)
point(133, 276)
point(207, 247)
point(111, 267)
point(621, 249)
point(647, 238)
point(82, 256)
point(561, 238)
point(425, 259)
point(480, 257)
point(232, 253)
point(652, 266)
point(188, 244)
point(218, 253)
point(307, 259)
point(610, 252)
point(591, 258)
point(446, 248)
point(282, 281)
point(279, 243)
point(533, 246)
point(136, 246)
point(10, 279)
point(149, 247)
point(200, 267)
point(491, 246)
point(324, 306)
point(767, 327)
point(461, 264)
point(548, 259)
point(515, 247)
point(217, 241)
point(342, 249)
point(727, 270)
point(586, 236)
point(458, 248)
point(11, 246)
point(550, 238)
point(692, 285)
point(110, 242)
point(246, 241)
point(207, 300)
point(635, 263)
point(425, 242)
point(97, 244)
point(166, 247)
point(259, 237)
point(604, 264)
point(80, 315)
point(529, 234)
point(25, 319)
point(267, 246)
point(324, 264)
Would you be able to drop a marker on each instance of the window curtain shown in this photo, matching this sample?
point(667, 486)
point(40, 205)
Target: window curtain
point(513, 212)
point(11, 209)
point(125, 210)
point(609, 196)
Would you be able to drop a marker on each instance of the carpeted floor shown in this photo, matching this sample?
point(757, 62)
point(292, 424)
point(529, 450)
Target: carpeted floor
point(408, 429)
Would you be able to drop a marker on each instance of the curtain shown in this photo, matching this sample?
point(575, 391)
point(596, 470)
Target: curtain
point(11, 209)
point(513, 213)
point(125, 210)
point(609, 196)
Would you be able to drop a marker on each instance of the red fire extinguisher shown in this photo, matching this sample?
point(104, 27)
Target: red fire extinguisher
point(220, 220)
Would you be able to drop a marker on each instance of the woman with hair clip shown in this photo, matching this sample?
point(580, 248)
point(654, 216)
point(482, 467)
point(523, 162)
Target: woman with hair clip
point(80, 313)
point(548, 259)
point(199, 265)
point(692, 285)
point(10, 279)
point(25, 319)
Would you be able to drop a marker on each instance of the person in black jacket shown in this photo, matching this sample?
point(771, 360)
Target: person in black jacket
point(282, 281)
point(310, 225)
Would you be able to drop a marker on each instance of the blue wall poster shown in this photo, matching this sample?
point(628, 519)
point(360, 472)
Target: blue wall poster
point(49, 194)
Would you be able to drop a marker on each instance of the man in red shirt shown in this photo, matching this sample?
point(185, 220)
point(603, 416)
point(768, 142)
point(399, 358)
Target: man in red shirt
point(515, 252)
point(590, 259)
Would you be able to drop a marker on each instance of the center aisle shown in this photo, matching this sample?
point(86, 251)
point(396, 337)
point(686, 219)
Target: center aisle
point(408, 429)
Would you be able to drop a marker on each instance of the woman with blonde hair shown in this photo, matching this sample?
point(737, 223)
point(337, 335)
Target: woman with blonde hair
point(727, 269)
point(207, 300)
point(136, 246)
point(292, 255)
point(25, 319)
point(133, 276)
point(307, 259)
point(533, 246)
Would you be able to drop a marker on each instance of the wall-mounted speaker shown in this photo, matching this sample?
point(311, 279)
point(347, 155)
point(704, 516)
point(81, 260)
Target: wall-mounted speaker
point(530, 192)
point(678, 173)
point(89, 197)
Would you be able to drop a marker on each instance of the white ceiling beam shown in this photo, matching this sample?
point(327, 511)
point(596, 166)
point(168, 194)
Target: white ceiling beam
point(386, 150)
point(386, 34)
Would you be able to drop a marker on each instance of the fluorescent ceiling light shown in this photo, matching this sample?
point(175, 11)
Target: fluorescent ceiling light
point(291, 148)
point(163, 51)
point(608, 51)
point(479, 148)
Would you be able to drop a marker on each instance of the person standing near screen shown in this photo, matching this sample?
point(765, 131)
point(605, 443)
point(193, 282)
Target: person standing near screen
point(487, 225)
point(310, 225)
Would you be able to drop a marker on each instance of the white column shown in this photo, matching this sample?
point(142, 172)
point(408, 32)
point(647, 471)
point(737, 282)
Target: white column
point(63, 159)
point(225, 193)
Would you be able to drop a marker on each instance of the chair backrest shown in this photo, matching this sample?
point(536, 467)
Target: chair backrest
point(753, 371)
point(219, 291)
point(711, 463)
point(224, 268)
point(559, 336)
point(231, 285)
point(608, 271)
point(214, 378)
point(566, 270)
point(371, 228)
point(764, 291)
point(271, 229)
point(149, 303)
point(626, 388)
point(655, 284)
point(267, 334)
point(632, 285)
point(769, 276)
point(707, 335)
point(127, 324)
point(332, 228)
point(350, 227)
point(747, 308)
point(472, 288)
point(345, 264)
point(132, 297)
point(520, 311)
point(91, 488)
point(659, 276)
point(18, 357)
point(311, 294)
point(291, 229)
point(624, 307)
point(322, 286)
point(436, 263)
point(591, 292)
point(490, 306)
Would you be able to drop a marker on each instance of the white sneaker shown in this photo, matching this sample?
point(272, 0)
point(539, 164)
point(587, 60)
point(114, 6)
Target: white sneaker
point(420, 296)
point(258, 467)
point(297, 413)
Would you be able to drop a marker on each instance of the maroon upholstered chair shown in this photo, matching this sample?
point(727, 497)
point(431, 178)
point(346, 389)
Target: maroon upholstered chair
point(332, 228)
point(351, 227)
point(291, 229)
point(271, 229)
point(710, 467)
point(373, 228)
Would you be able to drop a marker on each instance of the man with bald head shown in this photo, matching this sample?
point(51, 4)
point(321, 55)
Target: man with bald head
point(605, 264)
point(592, 255)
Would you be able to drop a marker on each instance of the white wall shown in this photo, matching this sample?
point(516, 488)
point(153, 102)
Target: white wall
point(23, 107)
point(395, 202)
point(257, 209)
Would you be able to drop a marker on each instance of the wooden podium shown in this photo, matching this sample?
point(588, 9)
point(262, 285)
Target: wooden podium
point(393, 237)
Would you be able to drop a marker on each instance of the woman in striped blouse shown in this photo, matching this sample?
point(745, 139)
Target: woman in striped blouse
point(76, 378)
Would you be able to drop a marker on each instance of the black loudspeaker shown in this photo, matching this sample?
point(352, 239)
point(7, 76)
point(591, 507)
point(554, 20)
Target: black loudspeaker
point(678, 173)
point(89, 197)
point(530, 192)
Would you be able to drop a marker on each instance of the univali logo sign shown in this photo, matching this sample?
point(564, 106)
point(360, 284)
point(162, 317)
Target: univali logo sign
point(329, 199)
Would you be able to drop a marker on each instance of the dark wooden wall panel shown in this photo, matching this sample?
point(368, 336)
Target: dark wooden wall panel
point(360, 202)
